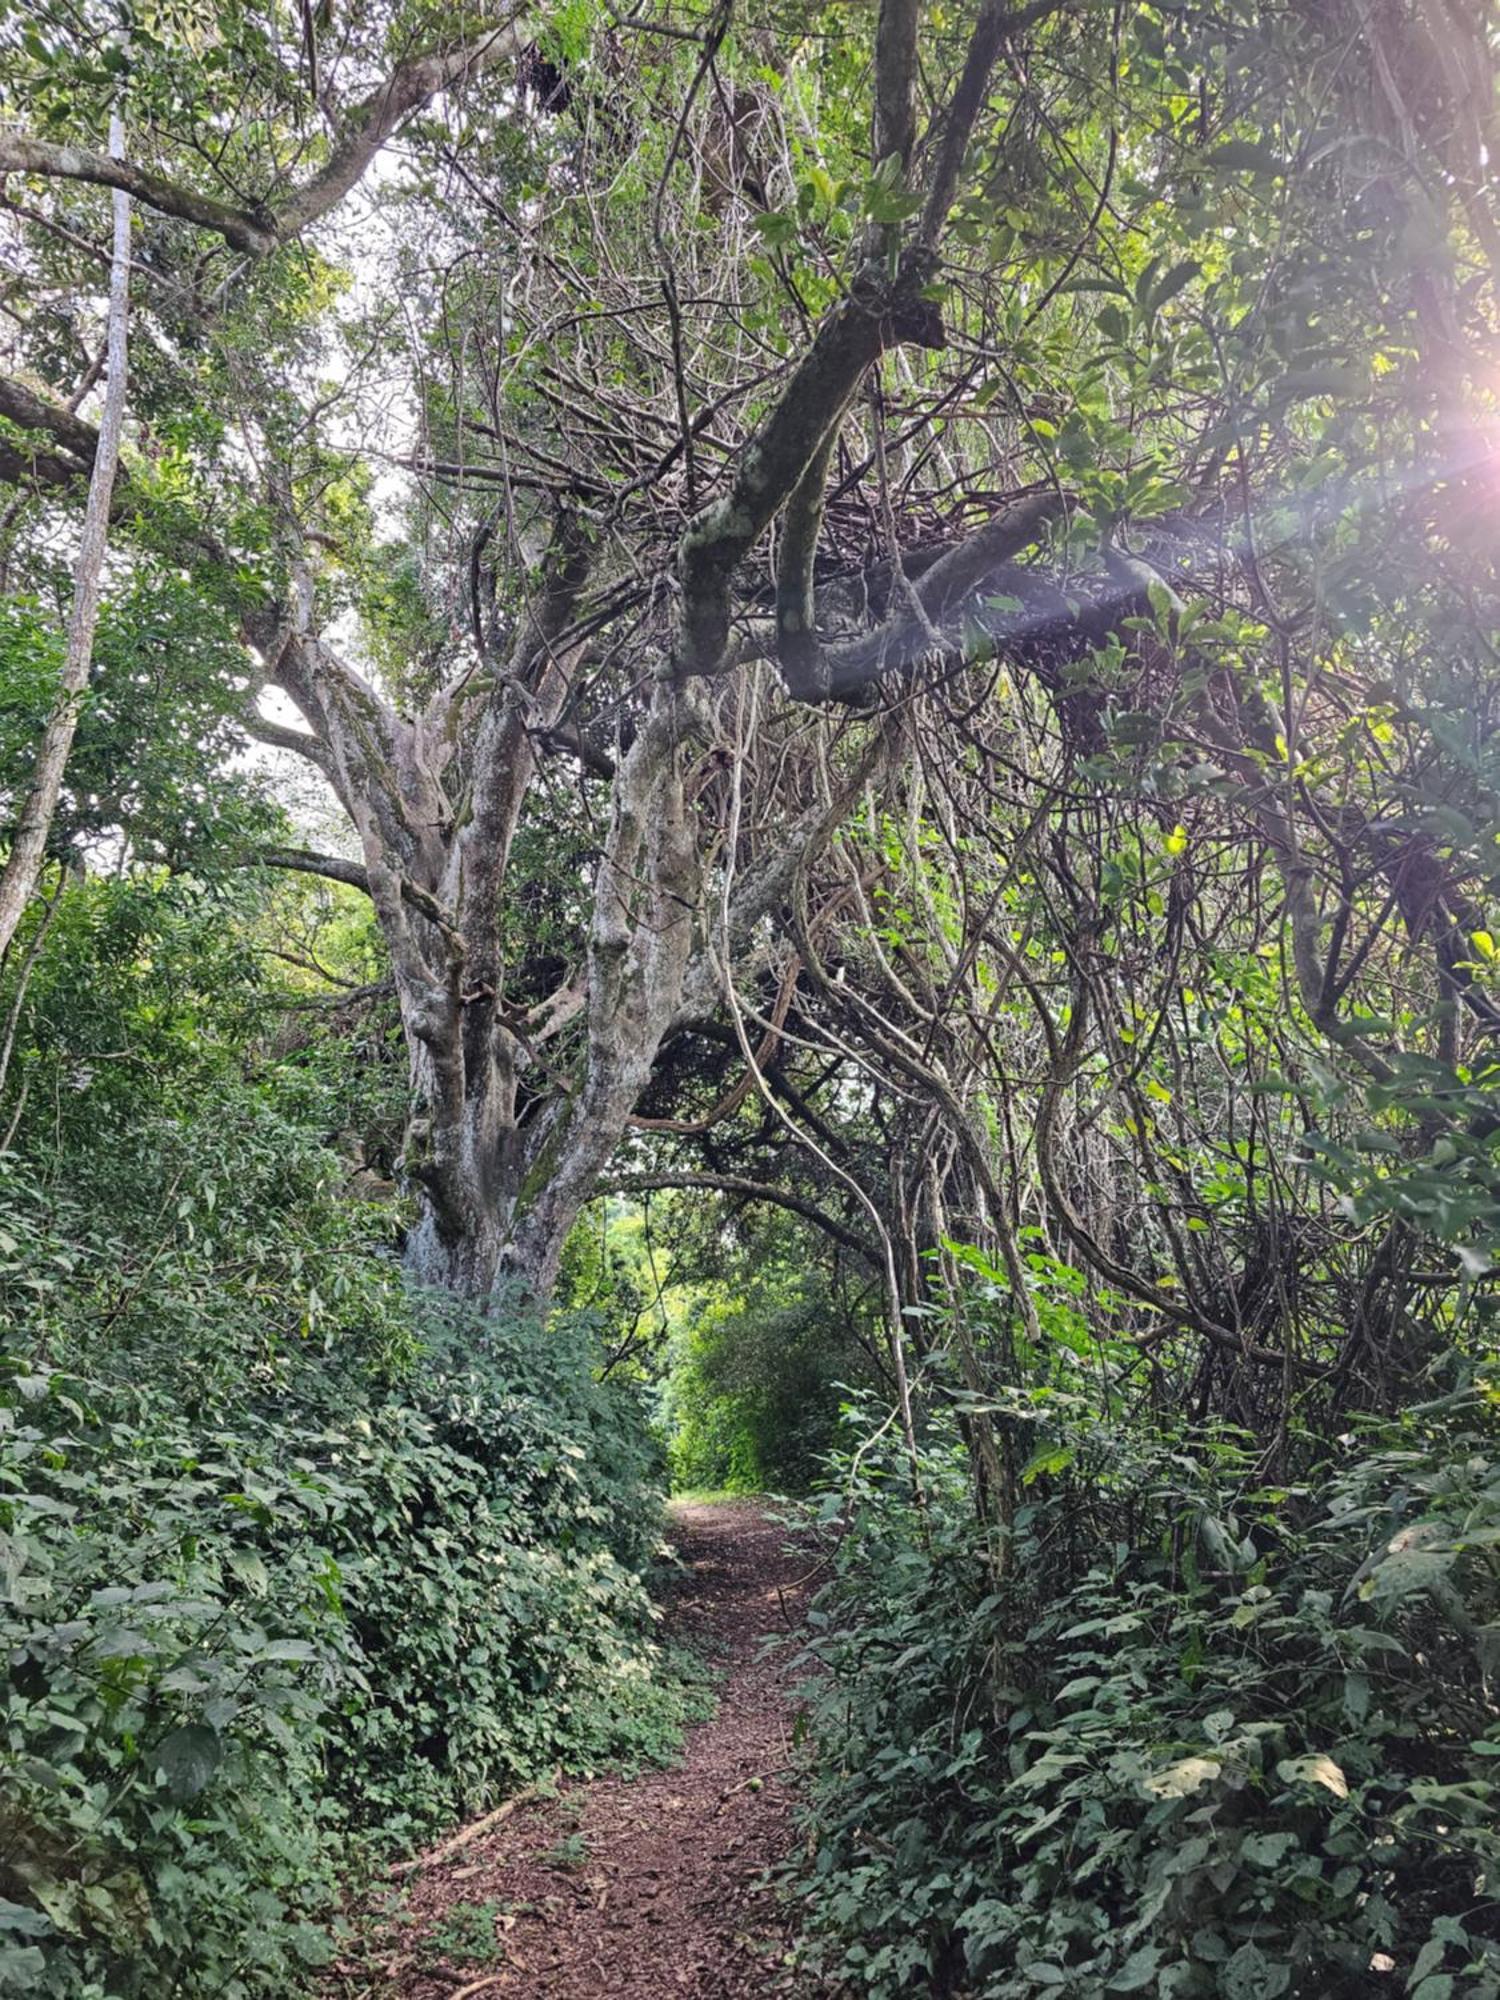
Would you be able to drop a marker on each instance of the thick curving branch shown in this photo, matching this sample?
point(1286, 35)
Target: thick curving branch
point(797, 647)
point(276, 736)
point(28, 411)
point(304, 861)
point(995, 26)
point(943, 600)
point(878, 312)
point(749, 1190)
point(334, 868)
point(257, 231)
point(252, 231)
point(410, 86)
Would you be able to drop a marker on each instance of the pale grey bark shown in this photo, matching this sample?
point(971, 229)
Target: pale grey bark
point(518, 1111)
point(503, 1181)
point(28, 848)
point(367, 128)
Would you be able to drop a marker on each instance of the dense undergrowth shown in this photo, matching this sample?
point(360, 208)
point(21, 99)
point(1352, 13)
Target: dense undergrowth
point(1075, 914)
point(754, 1375)
point(1202, 1735)
point(295, 1566)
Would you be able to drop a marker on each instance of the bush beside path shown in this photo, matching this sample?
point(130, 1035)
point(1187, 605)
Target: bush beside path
point(637, 1887)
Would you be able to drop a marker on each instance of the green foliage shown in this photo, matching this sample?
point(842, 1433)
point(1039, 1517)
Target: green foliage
point(757, 1379)
point(1171, 947)
point(572, 1851)
point(236, 1643)
point(151, 762)
point(161, 1745)
point(759, 1362)
point(1202, 1737)
point(466, 1935)
point(498, 1507)
point(295, 1566)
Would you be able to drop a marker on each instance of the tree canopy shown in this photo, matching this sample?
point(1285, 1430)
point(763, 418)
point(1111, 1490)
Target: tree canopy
point(1080, 418)
point(857, 638)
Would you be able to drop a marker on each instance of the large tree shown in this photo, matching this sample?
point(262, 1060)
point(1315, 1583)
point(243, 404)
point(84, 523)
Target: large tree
point(728, 408)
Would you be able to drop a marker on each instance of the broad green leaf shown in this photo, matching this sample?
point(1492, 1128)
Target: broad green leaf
point(188, 1758)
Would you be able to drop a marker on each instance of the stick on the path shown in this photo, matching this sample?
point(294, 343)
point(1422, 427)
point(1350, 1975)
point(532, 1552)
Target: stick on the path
point(478, 1985)
point(447, 1848)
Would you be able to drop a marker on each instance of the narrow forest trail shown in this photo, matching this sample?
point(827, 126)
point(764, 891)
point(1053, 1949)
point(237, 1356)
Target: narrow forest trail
point(639, 1888)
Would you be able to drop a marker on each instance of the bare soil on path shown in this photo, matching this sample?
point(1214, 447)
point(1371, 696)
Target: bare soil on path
point(644, 1888)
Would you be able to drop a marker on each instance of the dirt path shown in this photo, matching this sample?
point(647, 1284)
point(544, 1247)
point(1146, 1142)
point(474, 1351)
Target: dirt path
point(646, 1887)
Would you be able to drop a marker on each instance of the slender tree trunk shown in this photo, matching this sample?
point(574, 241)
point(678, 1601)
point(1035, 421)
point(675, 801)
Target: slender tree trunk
point(23, 865)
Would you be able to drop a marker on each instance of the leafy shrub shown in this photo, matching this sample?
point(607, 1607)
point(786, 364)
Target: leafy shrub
point(160, 1756)
point(153, 760)
point(756, 1377)
point(231, 1650)
point(294, 1566)
point(1200, 1738)
point(498, 1513)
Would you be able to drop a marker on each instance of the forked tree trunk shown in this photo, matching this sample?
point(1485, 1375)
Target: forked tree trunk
point(467, 1265)
point(502, 1162)
point(506, 1143)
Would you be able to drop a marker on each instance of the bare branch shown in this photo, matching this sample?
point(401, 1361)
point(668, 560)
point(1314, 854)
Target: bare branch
point(948, 589)
point(409, 86)
point(749, 1190)
point(304, 861)
point(243, 229)
point(30, 412)
point(877, 312)
point(996, 24)
point(276, 736)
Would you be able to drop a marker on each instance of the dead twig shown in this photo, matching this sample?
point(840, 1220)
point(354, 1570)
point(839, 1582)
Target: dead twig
point(446, 1849)
point(480, 1985)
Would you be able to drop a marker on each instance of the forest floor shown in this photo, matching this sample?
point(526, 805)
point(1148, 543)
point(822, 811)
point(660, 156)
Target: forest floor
point(637, 1888)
